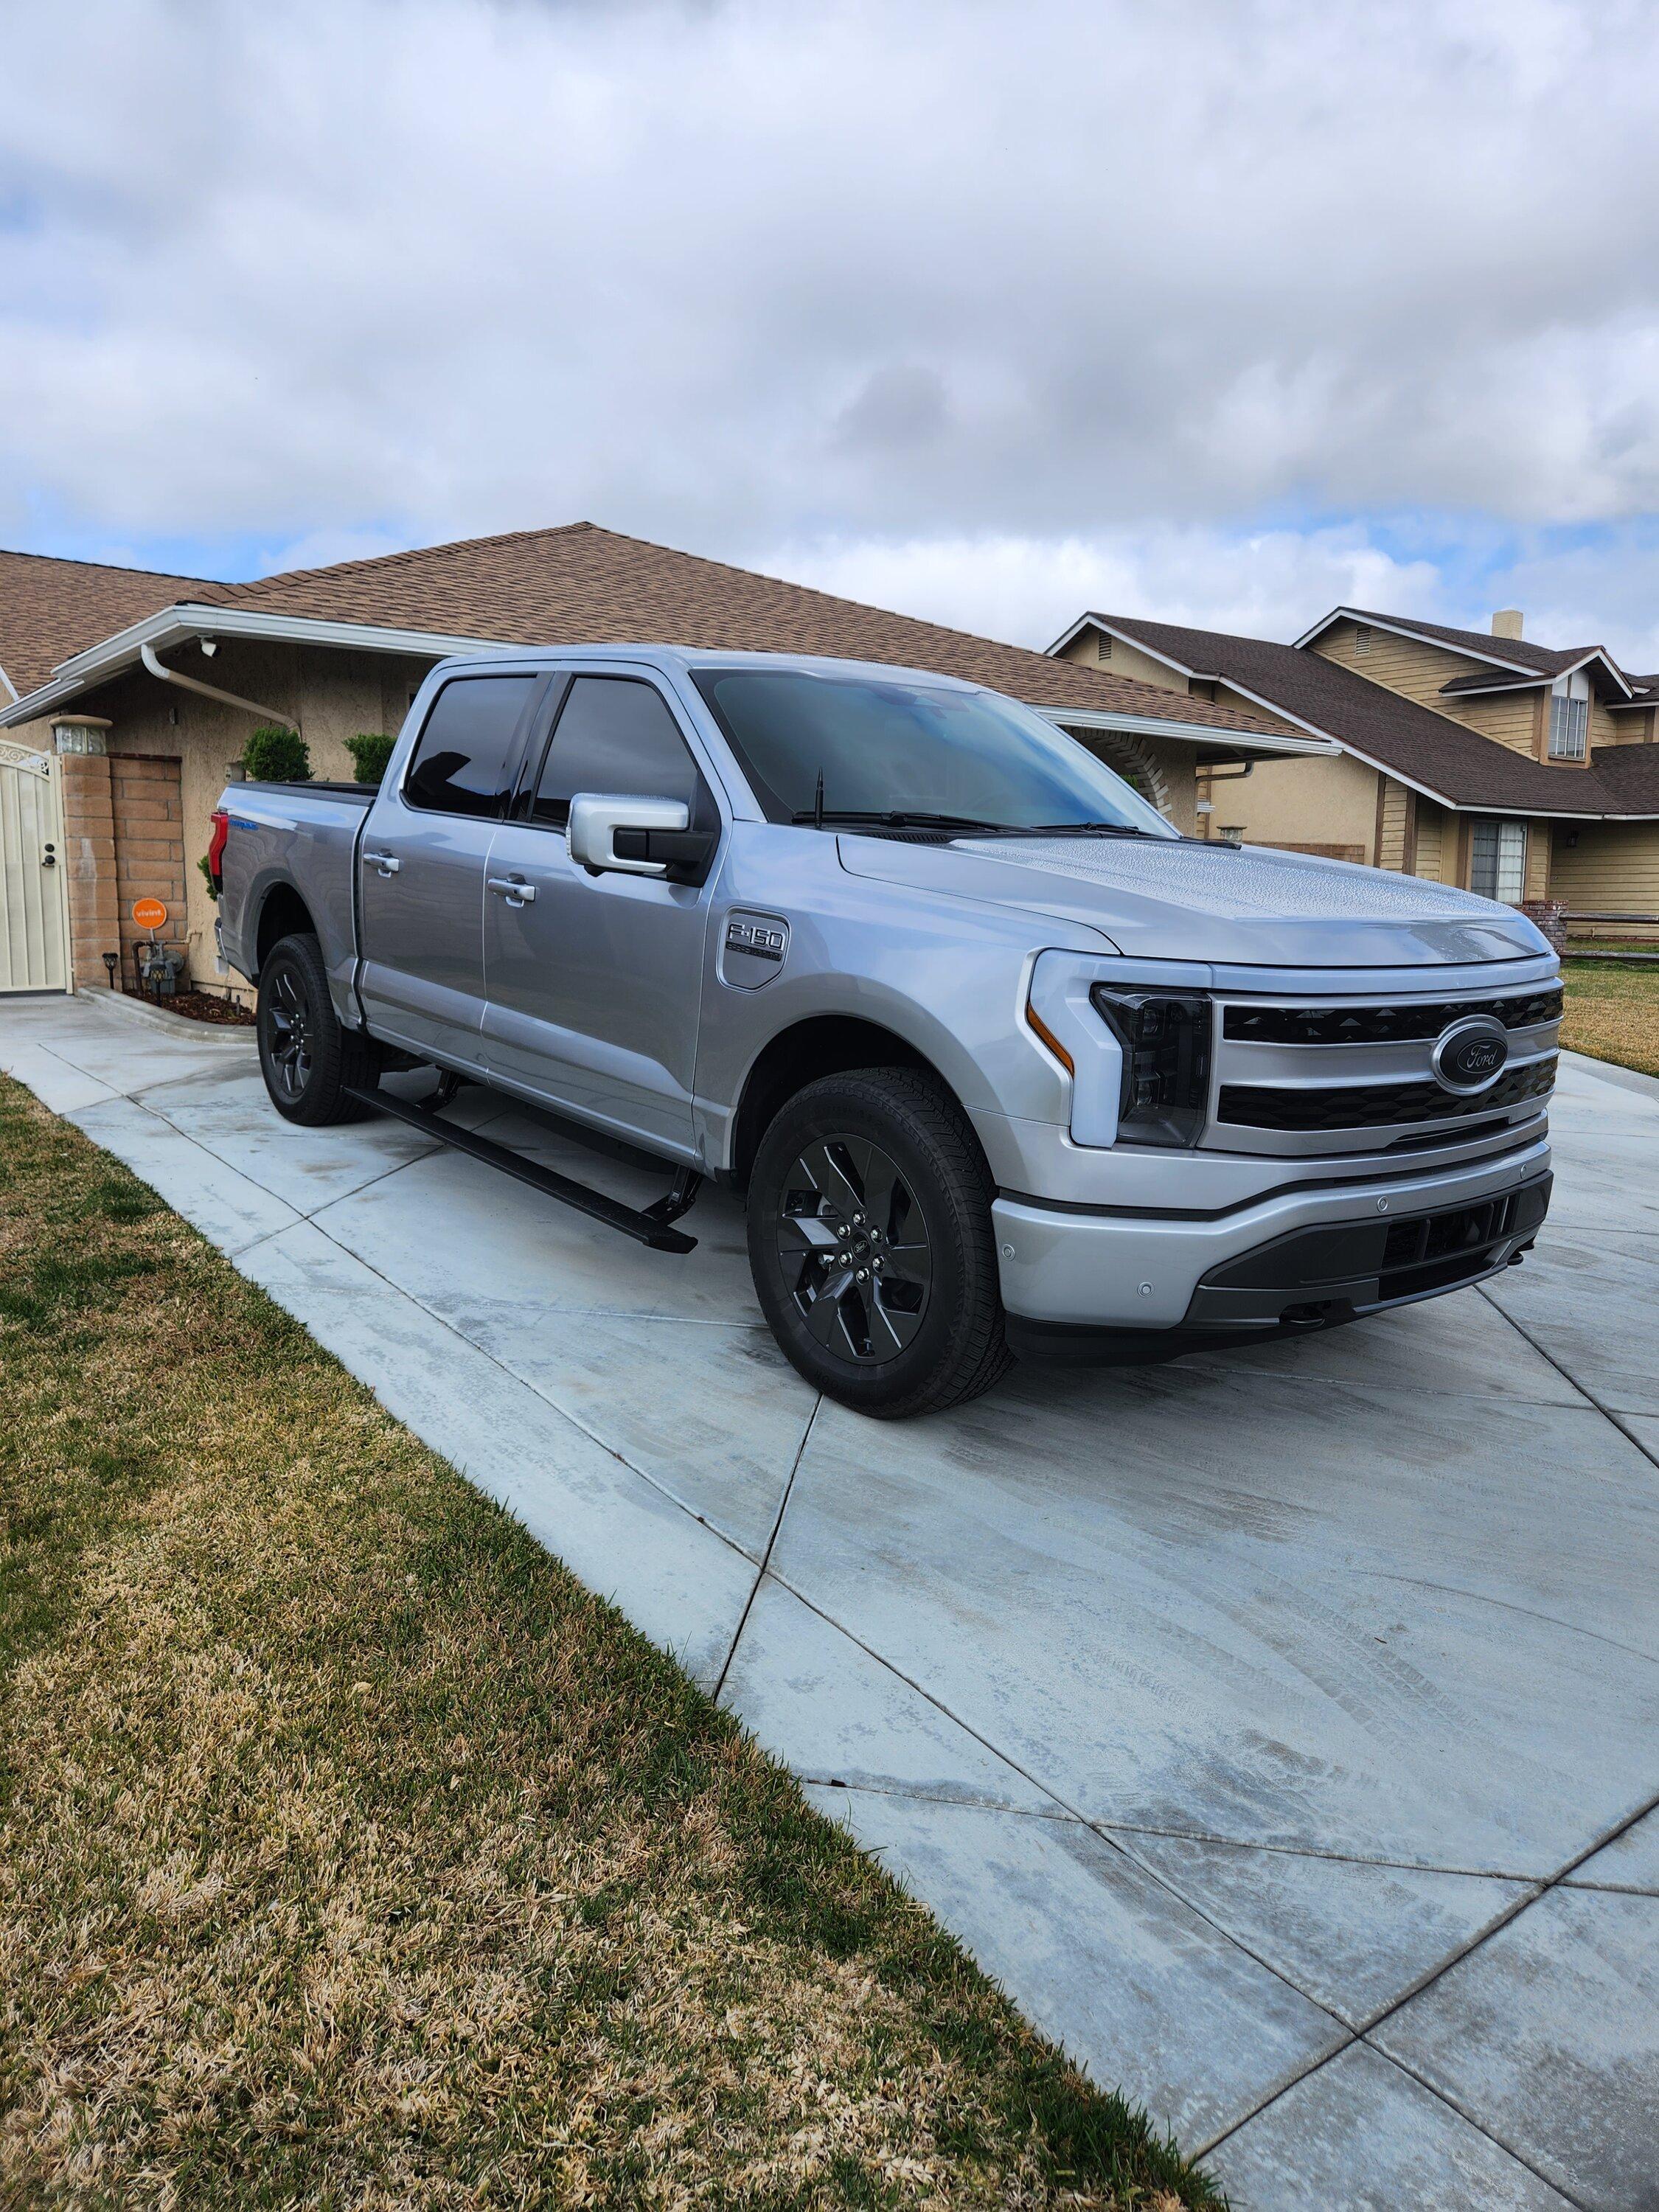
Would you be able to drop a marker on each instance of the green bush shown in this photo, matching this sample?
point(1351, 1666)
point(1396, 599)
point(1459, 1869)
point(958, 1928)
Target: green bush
point(370, 751)
point(277, 755)
point(207, 877)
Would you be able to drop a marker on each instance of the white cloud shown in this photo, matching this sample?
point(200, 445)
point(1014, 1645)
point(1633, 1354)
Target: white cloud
point(1028, 591)
point(986, 310)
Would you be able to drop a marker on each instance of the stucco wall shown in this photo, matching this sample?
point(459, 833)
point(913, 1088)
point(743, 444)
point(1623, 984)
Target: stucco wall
point(332, 695)
point(1301, 802)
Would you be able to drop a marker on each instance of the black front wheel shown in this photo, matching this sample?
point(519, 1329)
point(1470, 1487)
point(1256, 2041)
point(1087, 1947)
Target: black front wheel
point(871, 1243)
point(306, 1056)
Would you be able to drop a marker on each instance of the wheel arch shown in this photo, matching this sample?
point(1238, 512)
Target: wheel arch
point(283, 913)
point(816, 1046)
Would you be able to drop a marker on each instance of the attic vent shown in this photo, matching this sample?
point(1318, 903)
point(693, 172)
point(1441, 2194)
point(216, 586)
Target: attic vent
point(1362, 638)
point(1103, 645)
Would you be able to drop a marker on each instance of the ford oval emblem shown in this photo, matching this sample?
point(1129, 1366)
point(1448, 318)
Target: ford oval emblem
point(1470, 1056)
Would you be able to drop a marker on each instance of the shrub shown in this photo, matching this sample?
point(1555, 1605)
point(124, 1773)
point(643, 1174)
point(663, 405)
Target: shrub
point(370, 750)
point(277, 755)
point(207, 877)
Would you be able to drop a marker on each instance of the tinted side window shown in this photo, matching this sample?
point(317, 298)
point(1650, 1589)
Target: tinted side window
point(465, 758)
point(615, 735)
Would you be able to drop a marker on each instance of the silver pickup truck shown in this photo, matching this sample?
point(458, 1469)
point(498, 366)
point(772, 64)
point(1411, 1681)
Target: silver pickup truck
point(1001, 1063)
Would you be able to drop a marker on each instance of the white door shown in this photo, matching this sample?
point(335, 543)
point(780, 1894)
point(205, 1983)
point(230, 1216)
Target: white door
point(33, 908)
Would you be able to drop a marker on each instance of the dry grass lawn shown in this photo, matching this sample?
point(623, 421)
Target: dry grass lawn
point(351, 1855)
point(1612, 1013)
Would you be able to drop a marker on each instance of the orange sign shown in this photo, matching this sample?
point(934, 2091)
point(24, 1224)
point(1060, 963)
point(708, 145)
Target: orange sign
point(150, 914)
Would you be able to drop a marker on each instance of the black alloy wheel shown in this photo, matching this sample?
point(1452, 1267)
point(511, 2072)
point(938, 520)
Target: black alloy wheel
point(853, 1249)
point(290, 1053)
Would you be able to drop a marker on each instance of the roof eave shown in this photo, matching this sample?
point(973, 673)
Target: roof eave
point(1209, 733)
point(97, 663)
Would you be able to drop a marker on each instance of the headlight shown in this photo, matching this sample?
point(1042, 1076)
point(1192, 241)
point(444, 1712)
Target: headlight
point(1166, 1062)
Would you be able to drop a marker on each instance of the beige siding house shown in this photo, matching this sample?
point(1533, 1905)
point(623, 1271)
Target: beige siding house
point(139, 691)
point(1530, 773)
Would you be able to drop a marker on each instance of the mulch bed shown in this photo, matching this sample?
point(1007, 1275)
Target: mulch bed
point(206, 1006)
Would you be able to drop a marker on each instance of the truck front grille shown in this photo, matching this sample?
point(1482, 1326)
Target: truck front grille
point(1373, 1105)
point(1383, 1024)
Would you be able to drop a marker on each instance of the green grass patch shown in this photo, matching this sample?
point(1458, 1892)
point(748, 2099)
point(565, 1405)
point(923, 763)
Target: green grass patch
point(1612, 1013)
point(353, 1855)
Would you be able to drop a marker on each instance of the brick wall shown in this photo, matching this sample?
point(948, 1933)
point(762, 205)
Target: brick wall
point(89, 857)
point(147, 804)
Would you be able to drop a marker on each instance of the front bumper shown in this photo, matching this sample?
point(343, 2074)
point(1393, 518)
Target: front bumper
point(1301, 1259)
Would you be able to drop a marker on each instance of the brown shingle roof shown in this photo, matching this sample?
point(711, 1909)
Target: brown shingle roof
point(50, 609)
point(1425, 748)
point(583, 584)
point(1630, 776)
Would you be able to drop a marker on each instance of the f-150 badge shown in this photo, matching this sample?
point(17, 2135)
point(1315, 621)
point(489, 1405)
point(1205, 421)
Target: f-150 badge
point(766, 940)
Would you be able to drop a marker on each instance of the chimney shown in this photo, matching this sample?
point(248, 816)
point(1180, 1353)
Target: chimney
point(1506, 623)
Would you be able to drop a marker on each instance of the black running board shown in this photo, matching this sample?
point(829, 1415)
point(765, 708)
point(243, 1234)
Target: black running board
point(651, 1225)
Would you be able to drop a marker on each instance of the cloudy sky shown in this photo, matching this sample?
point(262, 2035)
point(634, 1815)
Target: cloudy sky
point(1220, 313)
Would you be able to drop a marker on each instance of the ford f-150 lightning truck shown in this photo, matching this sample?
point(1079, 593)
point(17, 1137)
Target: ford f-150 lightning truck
point(1000, 1062)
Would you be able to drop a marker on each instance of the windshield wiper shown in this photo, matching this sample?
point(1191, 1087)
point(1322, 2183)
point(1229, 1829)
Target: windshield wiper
point(897, 818)
point(1091, 830)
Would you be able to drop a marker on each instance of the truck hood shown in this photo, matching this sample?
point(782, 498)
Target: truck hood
point(1157, 900)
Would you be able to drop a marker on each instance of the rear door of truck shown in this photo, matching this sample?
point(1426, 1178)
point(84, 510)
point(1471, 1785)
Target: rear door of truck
point(421, 865)
point(595, 981)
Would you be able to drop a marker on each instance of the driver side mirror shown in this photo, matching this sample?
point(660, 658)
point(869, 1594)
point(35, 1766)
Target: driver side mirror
point(638, 837)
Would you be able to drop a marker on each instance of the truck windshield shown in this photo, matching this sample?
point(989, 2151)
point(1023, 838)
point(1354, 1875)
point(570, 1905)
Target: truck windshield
point(912, 753)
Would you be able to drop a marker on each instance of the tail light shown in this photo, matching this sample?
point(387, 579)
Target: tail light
point(216, 851)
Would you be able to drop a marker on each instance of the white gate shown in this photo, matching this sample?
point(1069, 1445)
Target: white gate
point(33, 904)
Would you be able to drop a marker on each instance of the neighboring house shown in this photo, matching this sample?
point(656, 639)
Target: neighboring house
point(1525, 772)
point(144, 743)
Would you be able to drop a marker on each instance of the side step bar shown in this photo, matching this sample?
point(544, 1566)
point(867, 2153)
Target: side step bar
point(651, 1225)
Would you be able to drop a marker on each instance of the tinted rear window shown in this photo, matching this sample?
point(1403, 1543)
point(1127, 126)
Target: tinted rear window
point(466, 754)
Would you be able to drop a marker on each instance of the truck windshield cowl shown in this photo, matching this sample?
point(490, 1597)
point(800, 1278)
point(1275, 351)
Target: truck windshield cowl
point(905, 755)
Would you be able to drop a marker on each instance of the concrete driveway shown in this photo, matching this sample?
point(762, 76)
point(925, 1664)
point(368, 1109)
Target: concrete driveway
point(1282, 1729)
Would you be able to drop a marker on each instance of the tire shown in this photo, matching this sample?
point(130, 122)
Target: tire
point(306, 1055)
point(908, 1320)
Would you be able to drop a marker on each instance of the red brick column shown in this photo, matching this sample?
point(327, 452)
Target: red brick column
point(89, 845)
point(1551, 916)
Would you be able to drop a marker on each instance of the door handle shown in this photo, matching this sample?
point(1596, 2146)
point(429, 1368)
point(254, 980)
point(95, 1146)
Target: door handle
point(387, 863)
point(513, 889)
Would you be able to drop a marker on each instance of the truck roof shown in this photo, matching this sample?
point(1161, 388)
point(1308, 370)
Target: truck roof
point(689, 657)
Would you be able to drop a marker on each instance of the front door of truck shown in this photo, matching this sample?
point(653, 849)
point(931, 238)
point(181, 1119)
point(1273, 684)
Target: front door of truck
point(421, 866)
point(593, 981)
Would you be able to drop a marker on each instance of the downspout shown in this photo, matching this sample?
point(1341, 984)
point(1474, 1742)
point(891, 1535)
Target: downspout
point(147, 655)
point(1214, 775)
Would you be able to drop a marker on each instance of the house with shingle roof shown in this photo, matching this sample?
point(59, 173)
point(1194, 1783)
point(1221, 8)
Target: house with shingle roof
point(1530, 773)
point(143, 689)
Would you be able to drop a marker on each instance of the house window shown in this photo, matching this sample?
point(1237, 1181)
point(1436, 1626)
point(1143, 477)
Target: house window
point(1498, 860)
point(1362, 638)
point(1570, 718)
point(1103, 645)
